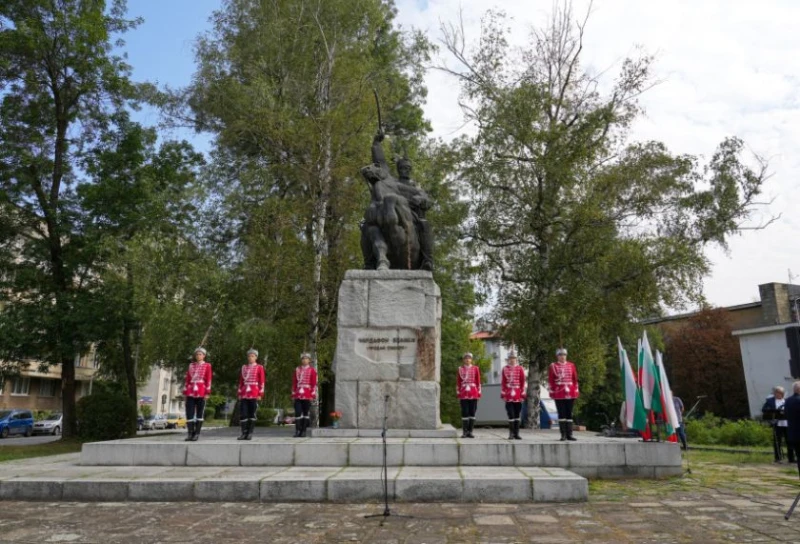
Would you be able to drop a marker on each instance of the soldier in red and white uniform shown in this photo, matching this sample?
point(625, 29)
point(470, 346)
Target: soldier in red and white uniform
point(468, 390)
point(562, 378)
point(513, 389)
point(196, 390)
point(251, 389)
point(304, 390)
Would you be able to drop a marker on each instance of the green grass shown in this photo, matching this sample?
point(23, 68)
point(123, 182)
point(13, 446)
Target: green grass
point(13, 453)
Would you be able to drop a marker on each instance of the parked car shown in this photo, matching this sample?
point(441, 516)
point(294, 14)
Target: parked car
point(49, 425)
point(15, 422)
point(176, 421)
point(152, 423)
point(139, 423)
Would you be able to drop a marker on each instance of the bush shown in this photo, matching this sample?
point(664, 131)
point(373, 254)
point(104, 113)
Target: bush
point(106, 416)
point(265, 417)
point(714, 430)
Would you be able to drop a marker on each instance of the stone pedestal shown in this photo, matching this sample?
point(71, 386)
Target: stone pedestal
point(389, 331)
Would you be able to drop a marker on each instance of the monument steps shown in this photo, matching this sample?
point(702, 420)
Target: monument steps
point(590, 456)
point(71, 482)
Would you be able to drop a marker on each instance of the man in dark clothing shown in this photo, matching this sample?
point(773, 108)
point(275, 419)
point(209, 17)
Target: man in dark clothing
point(773, 410)
point(792, 409)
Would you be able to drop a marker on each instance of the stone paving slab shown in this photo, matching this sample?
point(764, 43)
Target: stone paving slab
point(281, 523)
point(68, 481)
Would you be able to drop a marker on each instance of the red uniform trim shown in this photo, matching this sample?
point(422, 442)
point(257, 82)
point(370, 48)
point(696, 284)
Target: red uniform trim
point(468, 382)
point(198, 380)
point(562, 379)
point(304, 383)
point(251, 381)
point(513, 385)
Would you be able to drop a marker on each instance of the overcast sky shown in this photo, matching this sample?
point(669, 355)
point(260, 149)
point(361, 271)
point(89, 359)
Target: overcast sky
point(727, 68)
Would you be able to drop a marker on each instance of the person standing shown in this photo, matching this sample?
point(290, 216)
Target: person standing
point(196, 390)
point(792, 410)
point(468, 390)
point(773, 409)
point(513, 388)
point(681, 430)
point(562, 377)
point(251, 389)
point(304, 390)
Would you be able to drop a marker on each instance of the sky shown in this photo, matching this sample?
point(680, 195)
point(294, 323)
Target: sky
point(725, 68)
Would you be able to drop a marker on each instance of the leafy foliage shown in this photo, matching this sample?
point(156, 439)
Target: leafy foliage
point(713, 430)
point(580, 229)
point(704, 359)
point(105, 415)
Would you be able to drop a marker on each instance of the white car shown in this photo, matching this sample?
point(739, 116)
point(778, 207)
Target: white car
point(49, 425)
point(152, 423)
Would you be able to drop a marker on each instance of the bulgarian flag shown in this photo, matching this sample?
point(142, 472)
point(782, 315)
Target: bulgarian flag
point(648, 415)
point(670, 415)
point(635, 415)
point(651, 382)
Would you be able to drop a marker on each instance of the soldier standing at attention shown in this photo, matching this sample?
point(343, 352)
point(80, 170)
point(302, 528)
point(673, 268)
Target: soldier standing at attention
point(251, 388)
point(468, 389)
point(304, 390)
point(563, 381)
point(196, 390)
point(513, 387)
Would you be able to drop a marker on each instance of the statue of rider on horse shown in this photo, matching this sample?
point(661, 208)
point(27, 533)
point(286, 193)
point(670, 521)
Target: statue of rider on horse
point(394, 234)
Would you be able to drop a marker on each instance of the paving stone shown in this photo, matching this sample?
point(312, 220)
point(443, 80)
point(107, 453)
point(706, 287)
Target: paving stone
point(494, 520)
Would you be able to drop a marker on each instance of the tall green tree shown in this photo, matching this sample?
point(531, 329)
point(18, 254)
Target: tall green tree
point(59, 80)
point(582, 229)
point(286, 87)
point(141, 201)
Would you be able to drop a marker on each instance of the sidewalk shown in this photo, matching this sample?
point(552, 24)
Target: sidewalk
point(693, 518)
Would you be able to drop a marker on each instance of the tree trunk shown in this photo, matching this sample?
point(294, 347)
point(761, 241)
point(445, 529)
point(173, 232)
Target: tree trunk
point(534, 409)
point(128, 360)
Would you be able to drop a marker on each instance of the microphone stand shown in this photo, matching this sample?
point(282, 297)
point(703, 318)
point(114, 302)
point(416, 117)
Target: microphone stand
point(385, 471)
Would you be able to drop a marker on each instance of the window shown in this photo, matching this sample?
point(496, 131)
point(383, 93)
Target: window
point(47, 388)
point(84, 388)
point(20, 386)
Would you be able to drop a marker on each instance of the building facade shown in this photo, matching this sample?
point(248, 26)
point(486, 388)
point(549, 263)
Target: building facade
point(41, 391)
point(163, 392)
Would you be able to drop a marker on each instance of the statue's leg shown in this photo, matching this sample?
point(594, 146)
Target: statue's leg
point(426, 244)
point(370, 262)
point(379, 247)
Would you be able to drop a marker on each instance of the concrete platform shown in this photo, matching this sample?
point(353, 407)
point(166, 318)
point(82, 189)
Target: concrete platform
point(446, 431)
point(66, 480)
point(591, 456)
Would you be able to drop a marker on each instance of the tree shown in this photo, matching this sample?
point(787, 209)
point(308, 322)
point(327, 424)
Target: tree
point(286, 87)
point(140, 202)
point(58, 82)
point(704, 359)
point(581, 229)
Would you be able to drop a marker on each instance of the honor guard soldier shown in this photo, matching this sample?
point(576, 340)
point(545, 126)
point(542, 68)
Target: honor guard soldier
point(563, 381)
point(196, 390)
point(468, 389)
point(251, 389)
point(304, 390)
point(513, 389)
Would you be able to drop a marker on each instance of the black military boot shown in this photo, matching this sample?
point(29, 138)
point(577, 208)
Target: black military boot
point(511, 430)
point(303, 427)
point(562, 426)
point(470, 426)
point(243, 424)
point(464, 427)
point(197, 426)
point(516, 430)
point(251, 424)
point(569, 432)
point(298, 421)
point(189, 431)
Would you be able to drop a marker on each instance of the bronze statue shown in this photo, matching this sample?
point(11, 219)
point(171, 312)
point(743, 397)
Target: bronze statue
point(395, 233)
